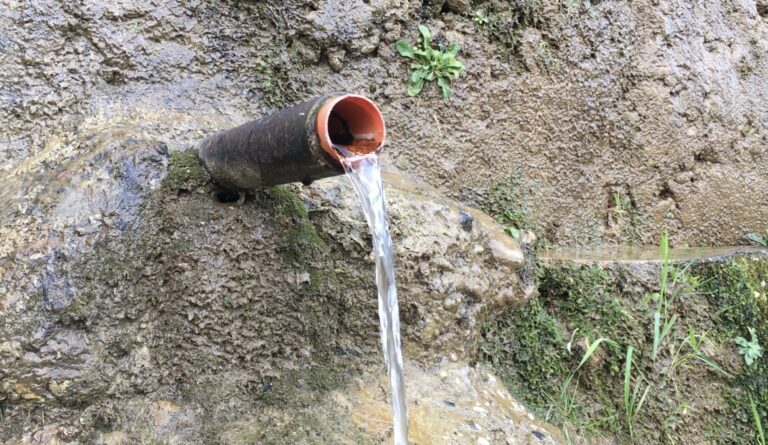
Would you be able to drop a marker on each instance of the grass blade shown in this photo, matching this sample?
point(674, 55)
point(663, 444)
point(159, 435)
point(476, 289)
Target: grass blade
point(758, 422)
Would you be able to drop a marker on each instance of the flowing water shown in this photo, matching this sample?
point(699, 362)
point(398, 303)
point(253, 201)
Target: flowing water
point(364, 173)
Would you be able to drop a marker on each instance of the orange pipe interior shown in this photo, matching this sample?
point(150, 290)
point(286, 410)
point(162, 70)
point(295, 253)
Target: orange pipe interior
point(351, 121)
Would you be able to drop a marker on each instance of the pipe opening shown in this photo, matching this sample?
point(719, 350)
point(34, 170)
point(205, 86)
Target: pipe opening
point(353, 122)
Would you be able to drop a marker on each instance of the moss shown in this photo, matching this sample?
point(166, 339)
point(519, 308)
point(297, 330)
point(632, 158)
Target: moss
point(505, 203)
point(298, 387)
point(283, 200)
point(526, 346)
point(585, 298)
point(303, 245)
point(79, 310)
point(507, 20)
point(737, 291)
point(274, 81)
point(185, 171)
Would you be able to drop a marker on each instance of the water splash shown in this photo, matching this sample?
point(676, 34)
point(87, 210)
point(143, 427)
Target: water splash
point(365, 174)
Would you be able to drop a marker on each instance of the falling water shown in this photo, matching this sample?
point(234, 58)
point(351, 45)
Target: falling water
point(364, 173)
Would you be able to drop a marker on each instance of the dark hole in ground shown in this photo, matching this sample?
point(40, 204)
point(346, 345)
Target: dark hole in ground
point(226, 196)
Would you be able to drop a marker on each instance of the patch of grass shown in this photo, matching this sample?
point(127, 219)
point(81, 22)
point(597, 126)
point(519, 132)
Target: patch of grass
point(430, 64)
point(566, 405)
point(663, 321)
point(633, 400)
point(693, 345)
point(663, 348)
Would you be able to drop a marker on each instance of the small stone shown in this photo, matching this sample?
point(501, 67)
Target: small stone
point(465, 221)
point(336, 60)
point(459, 6)
point(483, 441)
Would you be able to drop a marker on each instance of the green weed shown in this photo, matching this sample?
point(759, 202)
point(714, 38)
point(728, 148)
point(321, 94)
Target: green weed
point(633, 399)
point(694, 343)
point(663, 322)
point(760, 240)
point(565, 405)
point(513, 232)
point(481, 18)
point(757, 420)
point(430, 64)
point(750, 350)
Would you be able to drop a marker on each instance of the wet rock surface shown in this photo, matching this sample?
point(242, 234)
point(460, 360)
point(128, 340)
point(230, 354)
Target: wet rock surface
point(134, 303)
point(660, 103)
point(448, 404)
point(128, 281)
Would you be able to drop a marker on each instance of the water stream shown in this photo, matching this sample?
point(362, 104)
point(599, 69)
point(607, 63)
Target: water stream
point(364, 173)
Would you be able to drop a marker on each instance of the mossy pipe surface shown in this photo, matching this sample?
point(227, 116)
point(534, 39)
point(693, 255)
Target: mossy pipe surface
point(295, 144)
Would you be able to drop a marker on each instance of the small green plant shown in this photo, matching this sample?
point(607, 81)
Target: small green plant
point(480, 18)
point(662, 321)
point(760, 240)
point(633, 399)
point(618, 204)
point(751, 350)
point(514, 232)
point(430, 64)
point(694, 342)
